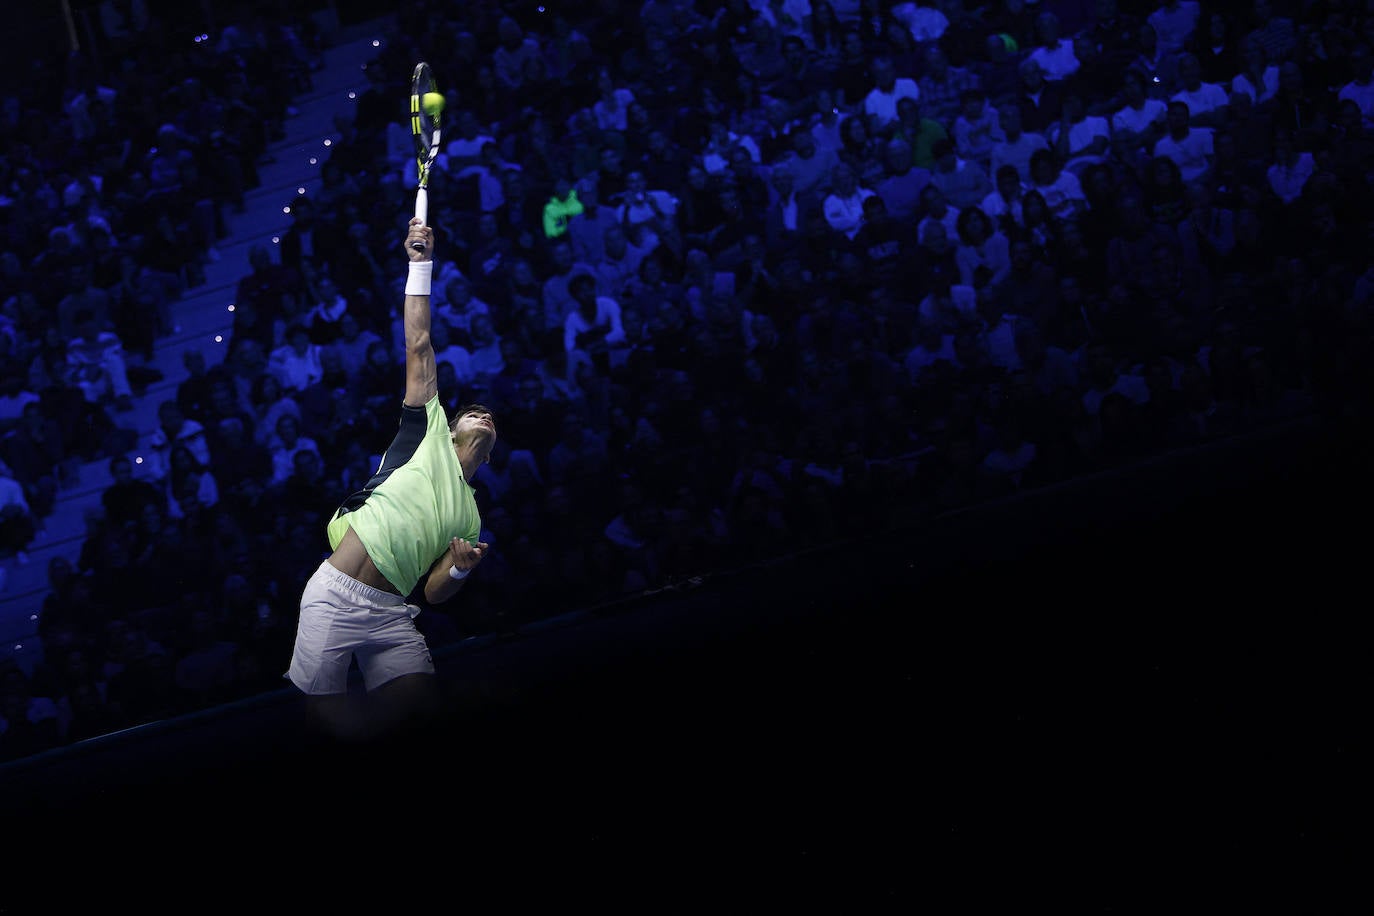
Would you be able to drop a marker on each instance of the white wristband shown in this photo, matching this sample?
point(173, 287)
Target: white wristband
point(417, 281)
point(457, 574)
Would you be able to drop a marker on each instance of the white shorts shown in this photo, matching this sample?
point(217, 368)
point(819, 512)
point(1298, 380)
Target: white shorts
point(342, 618)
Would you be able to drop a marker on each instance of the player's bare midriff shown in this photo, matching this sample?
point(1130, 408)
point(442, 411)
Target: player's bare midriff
point(352, 560)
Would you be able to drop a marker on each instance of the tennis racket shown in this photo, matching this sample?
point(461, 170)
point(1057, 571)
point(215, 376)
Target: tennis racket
point(425, 128)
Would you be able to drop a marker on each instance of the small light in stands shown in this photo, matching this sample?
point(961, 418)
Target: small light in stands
point(219, 338)
point(231, 306)
point(352, 95)
point(328, 142)
point(314, 160)
point(300, 190)
point(376, 43)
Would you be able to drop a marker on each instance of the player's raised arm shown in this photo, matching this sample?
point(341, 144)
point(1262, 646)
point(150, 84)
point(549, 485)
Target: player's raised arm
point(422, 378)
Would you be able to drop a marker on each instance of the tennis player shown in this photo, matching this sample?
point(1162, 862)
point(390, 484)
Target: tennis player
point(415, 519)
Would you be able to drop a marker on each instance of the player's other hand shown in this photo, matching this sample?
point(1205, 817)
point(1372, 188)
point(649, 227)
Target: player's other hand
point(466, 555)
point(423, 235)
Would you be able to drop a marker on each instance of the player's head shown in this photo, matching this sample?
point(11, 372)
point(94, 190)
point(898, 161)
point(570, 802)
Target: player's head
point(474, 424)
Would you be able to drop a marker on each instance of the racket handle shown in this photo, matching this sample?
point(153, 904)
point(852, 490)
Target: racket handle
point(421, 213)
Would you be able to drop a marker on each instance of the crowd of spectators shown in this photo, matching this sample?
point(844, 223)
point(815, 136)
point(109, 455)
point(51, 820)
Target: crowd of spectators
point(738, 277)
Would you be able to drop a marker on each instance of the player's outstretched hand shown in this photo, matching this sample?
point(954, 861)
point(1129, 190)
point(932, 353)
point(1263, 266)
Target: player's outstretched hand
point(422, 234)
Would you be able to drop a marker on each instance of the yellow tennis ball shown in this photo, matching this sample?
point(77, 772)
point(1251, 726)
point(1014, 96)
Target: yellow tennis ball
point(432, 102)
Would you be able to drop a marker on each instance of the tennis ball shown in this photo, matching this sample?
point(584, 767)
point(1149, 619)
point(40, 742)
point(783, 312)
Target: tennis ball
point(432, 102)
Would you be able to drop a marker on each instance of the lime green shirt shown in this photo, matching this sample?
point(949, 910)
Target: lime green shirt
point(415, 504)
point(558, 212)
point(928, 132)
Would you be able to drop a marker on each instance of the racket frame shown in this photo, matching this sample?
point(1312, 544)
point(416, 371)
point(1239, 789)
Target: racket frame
point(421, 82)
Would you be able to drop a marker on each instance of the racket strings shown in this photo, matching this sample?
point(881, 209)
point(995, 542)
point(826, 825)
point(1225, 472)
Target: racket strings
point(424, 126)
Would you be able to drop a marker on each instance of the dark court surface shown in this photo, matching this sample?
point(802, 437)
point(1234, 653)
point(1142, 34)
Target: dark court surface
point(1082, 696)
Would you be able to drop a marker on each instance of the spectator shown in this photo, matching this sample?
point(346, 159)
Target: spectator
point(352, 344)
point(284, 444)
point(1061, 190)
point(1096, 79)
point(461, 305)
point(1258, 77)
point(307, 491)
point(826, 119)
point(579, 454)
point(1360, 88)
point(885, 243)
point(963, 182)
point(880, 104)
point(123, 500)
point(83, 296)
point(1275, 33)
point(449, 352)
point(844, 205)
point(1113, 31)
point(1053, 53)
point(190, 485)
point(1208, 103)
point(296, 363)
point(17, 523)
point(1297, 107)
point(1189, 147)
point(470, 138)
point(193, 391)
point(941, 86)
point(725, 241)
point(174, 428)
point(783, 218)
point(587, 230)
point(555, 297)
point(1207, 232)
point(619, 262)
point(1174, 22)
point(307, 242)
point(322, 318)
point(803, 73)
point(560, 208)
point(935, 211)
point(592, 326)
point(269, 402)
point(852, 78)
point(39, 459)
point(1080, 139)
point(513, 49)
point(1016, 145)
point(811, 166)
point(931, 344)
point(95, 364)
point(1290, 170)
point(1039, 230)
point(977, 128)
point(925, 23)
point(268, 291)
point(901, 186)
point(242, 465)
point(486, 359)
point(1165, 192)
point(1039, 100)
point(984, 253)
point(1139, 123)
